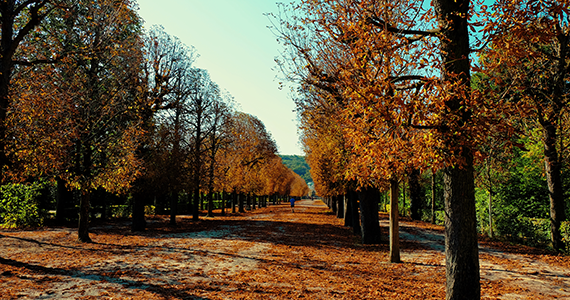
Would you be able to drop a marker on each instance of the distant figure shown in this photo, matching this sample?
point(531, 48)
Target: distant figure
point(292, 200)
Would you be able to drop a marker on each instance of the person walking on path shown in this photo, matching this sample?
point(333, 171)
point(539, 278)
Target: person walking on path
point(292, 200)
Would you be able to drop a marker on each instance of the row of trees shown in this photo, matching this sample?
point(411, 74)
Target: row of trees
point(386, 94)
point(90, 100)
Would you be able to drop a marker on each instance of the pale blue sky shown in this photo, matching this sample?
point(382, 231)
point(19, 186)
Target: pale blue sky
point(238, 50)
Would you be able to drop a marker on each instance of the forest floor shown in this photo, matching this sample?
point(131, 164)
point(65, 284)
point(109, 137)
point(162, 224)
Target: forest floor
point(268, 253)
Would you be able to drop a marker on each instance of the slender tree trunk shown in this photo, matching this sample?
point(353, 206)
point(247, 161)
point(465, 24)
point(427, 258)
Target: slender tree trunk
point(340, 206)
point(553, 168)
point(490, 214)
point(403, 198)
point(347, 211)
point(394, 223)
point(416, 194)
point(234, 202)
point(433, 196)
point(173, 208)
point(210, 204)
point(369, 215)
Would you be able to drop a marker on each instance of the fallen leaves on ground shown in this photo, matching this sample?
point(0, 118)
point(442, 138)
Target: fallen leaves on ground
point(265, 253)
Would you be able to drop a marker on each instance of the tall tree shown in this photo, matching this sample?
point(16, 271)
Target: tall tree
point(528, 62)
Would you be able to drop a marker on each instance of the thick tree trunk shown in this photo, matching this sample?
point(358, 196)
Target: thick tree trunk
point(139, 222)
point(461, 250)
point(63, 198)
point(241, 203)
point(394, 223)
point(553, 168)
point(83, 228)
point(353, 199)
point(369, 215)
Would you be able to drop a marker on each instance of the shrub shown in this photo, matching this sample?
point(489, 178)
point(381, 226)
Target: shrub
point(19, 206)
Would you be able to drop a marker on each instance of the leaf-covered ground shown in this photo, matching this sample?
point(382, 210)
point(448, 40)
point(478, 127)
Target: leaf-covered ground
point(269, 253)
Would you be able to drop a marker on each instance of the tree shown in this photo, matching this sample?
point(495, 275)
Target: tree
point(531, 47)
point(408, 86)
point(95, 99)
point(166, 83)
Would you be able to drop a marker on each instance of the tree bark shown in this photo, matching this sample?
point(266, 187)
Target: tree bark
point(369, 215)
point(553, 168)
point(433, 196)
point(83, 230)
point(347, 211)
point(353, 199)
point(173, 208)
point(461, 250)
point(394, 223)
point(138, 222)
point(340, 206)
point(416, 194)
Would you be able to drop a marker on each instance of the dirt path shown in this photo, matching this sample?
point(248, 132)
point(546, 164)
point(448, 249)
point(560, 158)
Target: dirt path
point(268, 253)
point(529, 278)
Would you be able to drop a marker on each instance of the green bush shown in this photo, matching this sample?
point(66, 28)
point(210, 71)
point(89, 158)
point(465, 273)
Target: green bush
point(19, 206)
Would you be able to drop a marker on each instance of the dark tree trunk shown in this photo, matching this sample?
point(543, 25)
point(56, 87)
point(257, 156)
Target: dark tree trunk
point(416, 194)
point(139, 222)
point(433, 193)
point(210, 204)
point(173, 208)
point(462, 256)
point(83, 230)
point(394, 223)
point(240, 203)
point(353, 199)
point(553, 168)
point(340, 206)
point(63, 198)
point(461, 251)
point(347, 211)
point(333, 204)
point(369, 215)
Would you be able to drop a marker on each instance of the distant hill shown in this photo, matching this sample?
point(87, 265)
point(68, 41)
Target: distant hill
point(298, 164)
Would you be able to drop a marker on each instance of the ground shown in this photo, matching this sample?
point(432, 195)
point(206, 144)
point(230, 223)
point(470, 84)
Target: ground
point(268, 253)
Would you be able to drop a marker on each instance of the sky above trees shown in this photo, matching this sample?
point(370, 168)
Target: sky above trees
point(238, 50)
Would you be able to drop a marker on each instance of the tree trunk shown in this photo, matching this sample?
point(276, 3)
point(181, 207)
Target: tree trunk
point(340, 206)
point(353, 199)
point(139, 222)
point(416, 194)
point(63, 198)
point(433, 196)
point(173, 208)
point(394, 223)
point(83, 230)
point(490, 214)
point(347, 211)
point(369, 215)
point(240, 203)
point(461, 250)
point(403, 198)
point(553, 178)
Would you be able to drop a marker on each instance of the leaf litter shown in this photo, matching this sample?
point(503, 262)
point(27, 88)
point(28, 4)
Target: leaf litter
point(265, 253)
